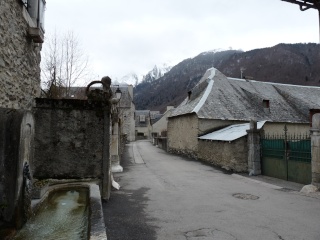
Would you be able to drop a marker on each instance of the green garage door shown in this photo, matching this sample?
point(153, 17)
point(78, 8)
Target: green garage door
point(287, 158)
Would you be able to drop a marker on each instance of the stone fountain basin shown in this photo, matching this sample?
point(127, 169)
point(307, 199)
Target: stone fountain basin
point(95, 224)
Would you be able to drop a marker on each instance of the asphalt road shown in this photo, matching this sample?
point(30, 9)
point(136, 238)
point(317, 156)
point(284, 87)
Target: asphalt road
point(168, 197)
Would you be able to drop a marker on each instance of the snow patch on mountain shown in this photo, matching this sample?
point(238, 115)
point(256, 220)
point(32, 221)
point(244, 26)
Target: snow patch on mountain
point(156, 73)
point(134, 79)
point(212, 51)
point(130, 79)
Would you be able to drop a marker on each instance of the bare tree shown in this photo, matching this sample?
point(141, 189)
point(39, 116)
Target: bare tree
point(63, 65)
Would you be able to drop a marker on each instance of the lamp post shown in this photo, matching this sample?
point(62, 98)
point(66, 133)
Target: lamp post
point(118, 93)
point(115, 139)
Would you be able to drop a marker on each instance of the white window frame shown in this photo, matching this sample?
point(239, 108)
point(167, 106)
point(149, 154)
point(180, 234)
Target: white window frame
point(142, 118)
point(33, 11)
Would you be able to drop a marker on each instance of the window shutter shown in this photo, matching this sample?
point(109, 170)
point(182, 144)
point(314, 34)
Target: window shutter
point(33, 9)
point(42, 7)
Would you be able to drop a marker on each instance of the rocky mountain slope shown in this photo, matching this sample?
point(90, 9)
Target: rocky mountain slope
point(284, 63)
point(156, 73)
point(133, 79)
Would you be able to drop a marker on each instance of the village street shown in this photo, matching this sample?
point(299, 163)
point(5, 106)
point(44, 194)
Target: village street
point(168, 197)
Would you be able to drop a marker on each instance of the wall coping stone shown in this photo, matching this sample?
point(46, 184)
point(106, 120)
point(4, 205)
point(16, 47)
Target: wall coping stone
point(72, 104)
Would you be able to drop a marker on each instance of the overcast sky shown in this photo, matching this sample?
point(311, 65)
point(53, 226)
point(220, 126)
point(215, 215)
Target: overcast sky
point(124, 36)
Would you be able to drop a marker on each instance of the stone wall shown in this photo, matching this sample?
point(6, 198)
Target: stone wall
point(315, 150)
point(69, 139)
point(19, 58)
point(162, 124)
point(128, 122)
point(16, 145)
point(183, 135)
point(230, 156)
point(145, 131)
point(210, 125)
point(293, 128)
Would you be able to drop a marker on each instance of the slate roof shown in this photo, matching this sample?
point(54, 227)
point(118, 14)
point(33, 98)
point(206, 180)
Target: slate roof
point(138, 113)
point(230, 133)
point(219, 97)
point(142, 112)
point(155, 116)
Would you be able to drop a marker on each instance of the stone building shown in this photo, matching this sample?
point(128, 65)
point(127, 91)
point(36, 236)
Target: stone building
point(21, 37)
point(126, 111)
point(143, 124)
point(217, 102)
point(227, 147)
point(159, 128)
point(155, 116)
point(125, 106)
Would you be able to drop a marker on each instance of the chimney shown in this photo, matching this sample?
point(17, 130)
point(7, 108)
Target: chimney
point(170, 107)
point(189, 95)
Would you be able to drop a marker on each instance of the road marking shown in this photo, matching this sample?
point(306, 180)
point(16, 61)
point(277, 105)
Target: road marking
point(136, 155)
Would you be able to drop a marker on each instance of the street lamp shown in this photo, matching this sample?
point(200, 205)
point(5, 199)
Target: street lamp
point(118, 93)
point(117, 96)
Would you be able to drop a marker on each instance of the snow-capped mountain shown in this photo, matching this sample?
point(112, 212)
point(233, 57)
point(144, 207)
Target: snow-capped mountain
point(130, 79)
point(133, 79)
point(156, 73)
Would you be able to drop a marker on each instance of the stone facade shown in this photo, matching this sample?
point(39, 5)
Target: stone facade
point(128, 123)
point(126, 111)
point(162, 124)
point(19, 58)
point(183, 135)
point(69, 139)
point(315, 148)
point(254, 149)
point(231, 156)
point(292, 128)
point(143, 126)
point(183, 132)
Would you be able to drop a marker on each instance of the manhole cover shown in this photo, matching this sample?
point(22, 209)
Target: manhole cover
point(208, 234)
point(245, 196)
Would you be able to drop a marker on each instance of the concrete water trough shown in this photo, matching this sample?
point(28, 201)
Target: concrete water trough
point(68, 211)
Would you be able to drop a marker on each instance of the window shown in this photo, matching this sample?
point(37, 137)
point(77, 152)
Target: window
point(142, 118)
point(36, 10)
point(266, 103)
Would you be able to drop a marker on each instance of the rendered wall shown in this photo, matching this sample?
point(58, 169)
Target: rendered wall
point(210, 125)
point(69, 139)
point(293, 128)
point(19, 58)
point(230, 156)
point(183, 135)
point(145, 130)
point(315, 150)
point(127, 116)
point(162, 124)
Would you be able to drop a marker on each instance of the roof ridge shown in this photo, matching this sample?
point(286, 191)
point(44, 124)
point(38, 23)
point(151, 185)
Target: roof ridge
point(271, 83)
